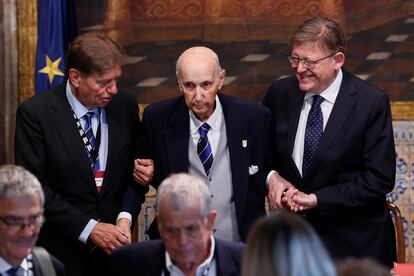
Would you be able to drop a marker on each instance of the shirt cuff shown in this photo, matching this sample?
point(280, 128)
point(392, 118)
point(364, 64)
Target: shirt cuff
point(268, 178)
point(83, 237)
point(124, 215)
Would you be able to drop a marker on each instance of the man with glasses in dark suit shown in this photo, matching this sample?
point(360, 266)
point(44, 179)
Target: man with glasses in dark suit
point(21, 217)
point(333, 146)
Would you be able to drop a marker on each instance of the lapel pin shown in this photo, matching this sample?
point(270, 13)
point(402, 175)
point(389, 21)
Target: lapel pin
point(244, 143)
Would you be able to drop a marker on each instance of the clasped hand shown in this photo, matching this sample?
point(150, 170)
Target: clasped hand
point(109, 237)
point(283, 195)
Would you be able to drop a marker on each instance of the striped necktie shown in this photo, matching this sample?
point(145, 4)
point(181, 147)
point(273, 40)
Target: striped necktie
point(91, 146)
point(204, 149)
point(313, 134)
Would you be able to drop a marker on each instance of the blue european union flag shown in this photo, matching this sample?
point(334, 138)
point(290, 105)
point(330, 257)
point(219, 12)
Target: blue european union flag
point(56, 29)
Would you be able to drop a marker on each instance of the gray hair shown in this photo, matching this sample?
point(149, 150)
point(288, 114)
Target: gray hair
point(15, 181)
point(324, 32)
point(198, 48)
point(182, 189)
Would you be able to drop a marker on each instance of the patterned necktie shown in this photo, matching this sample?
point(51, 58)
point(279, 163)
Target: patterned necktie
point(14, 271)
point(204, 149)
point(313, 133)
point(91, 146)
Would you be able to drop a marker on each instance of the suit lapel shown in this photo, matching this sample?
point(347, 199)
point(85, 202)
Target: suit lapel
point(239, 155)
point(176, 139)
point(341, 110)
point(69, 136)
point(296, 97)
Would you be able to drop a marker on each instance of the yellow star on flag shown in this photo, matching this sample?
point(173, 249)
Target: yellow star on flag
point(52, 68)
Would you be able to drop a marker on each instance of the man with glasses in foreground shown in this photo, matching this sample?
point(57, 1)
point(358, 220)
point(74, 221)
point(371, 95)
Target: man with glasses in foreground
point(334, 147)
point(21, 217)
point(185, 222)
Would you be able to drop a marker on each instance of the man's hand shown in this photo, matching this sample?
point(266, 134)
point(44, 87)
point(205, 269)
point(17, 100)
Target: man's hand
point(108, 237)
point(277, 187)
point(299, 201)
point(143, 171)
point(125, 225)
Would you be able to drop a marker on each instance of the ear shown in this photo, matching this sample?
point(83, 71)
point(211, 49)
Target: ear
point(211, 221)
point(222, 75)
point(339, 59)
point(177, 74)
point(74, 77)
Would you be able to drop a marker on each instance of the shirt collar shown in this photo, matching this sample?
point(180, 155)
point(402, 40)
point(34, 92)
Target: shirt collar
point(76, 105)
point(204, 265)
point(214, 121)
point(330, 93)
point(4, 266)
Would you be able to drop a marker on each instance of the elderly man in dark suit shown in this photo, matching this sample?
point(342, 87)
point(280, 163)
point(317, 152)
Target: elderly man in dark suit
point(334, 146)
point(186, 222)
point(79, 139)
point(218, 138)
point(21, 217)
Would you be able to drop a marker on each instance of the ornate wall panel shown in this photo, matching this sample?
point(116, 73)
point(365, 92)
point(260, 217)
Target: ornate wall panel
point(129, 21)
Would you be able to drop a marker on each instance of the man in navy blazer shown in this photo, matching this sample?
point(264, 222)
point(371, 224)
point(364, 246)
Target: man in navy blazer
point(339, 181)
point(83, 203)
point(186, 223)
point(238, 136)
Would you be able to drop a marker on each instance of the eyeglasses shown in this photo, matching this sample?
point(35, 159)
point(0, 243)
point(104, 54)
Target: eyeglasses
point(308, 64)
point(15, 224)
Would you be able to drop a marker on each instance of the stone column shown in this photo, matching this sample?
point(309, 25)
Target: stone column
point(8, 78)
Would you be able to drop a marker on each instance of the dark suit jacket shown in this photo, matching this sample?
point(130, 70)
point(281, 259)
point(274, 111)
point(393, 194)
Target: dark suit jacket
point(148, 258)
point(353, 170)
point(57, 265)
point(168, 126)
point(48, 144)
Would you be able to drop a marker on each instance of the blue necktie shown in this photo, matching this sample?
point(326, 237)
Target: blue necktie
point(204, 149)
point(91, 148)
point(313, 134)
point(14, 271)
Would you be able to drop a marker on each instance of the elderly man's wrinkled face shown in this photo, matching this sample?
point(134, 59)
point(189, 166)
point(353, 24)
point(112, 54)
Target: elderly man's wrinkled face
point(200, 82)
point(20, 222)
point(320, 75)
point(186, 234)
point(97, 89)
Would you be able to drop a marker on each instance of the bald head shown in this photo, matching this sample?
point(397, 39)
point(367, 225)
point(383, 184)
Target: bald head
point(198, 54)
point(200, 77)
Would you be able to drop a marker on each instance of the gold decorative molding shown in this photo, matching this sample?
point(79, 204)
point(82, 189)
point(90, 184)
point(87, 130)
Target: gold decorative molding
point(27, 41)
point(402, 111)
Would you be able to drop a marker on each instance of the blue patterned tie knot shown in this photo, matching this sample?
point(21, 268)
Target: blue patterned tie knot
point(313, 134)
point(204, 149)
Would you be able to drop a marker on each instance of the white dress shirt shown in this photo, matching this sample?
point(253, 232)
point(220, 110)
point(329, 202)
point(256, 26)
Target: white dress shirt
point(206, 268)
point(23, 270)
